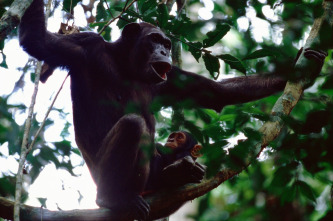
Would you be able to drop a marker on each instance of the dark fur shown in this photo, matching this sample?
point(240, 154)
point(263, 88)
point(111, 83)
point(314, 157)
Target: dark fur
point(112, 94)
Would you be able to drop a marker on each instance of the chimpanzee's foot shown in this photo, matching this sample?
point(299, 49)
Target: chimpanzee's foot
point(135, 207)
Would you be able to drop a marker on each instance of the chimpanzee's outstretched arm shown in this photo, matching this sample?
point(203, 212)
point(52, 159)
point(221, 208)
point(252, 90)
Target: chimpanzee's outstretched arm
point(206, 93)
point(55, 49)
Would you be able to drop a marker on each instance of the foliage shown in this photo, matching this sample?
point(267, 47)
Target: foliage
point(292, 178)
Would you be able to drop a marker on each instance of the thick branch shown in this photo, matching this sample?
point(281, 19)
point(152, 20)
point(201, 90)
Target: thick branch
point(162, 204)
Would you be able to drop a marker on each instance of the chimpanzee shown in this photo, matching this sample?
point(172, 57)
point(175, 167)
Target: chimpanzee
point(113, 86)
point(181, 148)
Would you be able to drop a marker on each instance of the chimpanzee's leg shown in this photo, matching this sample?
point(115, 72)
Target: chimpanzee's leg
point(123, 166)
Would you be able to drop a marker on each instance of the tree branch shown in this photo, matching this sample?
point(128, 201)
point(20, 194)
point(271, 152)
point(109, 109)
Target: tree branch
point(24, 146)
point(162, 204)
point(12, 17)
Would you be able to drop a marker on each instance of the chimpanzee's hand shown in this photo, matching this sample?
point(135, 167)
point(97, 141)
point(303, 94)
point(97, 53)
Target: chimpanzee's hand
point(193, 172)
point(184, 171)
point(316, 55)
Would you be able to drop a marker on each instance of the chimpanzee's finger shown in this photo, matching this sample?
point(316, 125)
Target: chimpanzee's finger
point(319, 51)
point(319, 56)
point(201, 166)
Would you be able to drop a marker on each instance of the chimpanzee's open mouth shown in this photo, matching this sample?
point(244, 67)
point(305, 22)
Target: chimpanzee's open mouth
point(161, 68)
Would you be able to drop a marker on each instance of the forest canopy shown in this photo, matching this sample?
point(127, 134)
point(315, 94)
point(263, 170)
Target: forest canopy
point(288, 178)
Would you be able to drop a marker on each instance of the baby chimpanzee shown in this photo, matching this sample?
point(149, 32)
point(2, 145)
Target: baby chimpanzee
point(174, 164)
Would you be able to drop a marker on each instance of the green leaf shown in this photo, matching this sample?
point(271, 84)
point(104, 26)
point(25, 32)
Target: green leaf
point(260, 54)
point(289, 193)
point(233, 62)
point(76, 151)
point(162, 15)
point(65, 131)
point(32, 76)
point(181, 27)
point(203, 115)
point(211, 113)
point(6, 186)
point(214, 155)
point(193, 129)
point(227, 117)
point(252, 134)
point(107, 33)
point(194, 48)
point(42, 201)
point(150, 17)
point(68, 5)
point(122, 22)
point(4, 63)
point(101, 14)
point(133, 13)
point(129, 12)
point(282, 177)
point(146, 6)
point(238, 155)
point(214, 36)
point(63, 147)
point(2, 44)
point(214, 131)
point(212, 64)
point(306, 190)
point(2, 11)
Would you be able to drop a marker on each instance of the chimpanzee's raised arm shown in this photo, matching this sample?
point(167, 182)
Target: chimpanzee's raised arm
point(55, 49)
point(206, 93)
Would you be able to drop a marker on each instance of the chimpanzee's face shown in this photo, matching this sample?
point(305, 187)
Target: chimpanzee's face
point(150, 52)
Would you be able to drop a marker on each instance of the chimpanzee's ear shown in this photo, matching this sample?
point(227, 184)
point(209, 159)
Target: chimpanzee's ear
point(195, 152)
point(131, 30)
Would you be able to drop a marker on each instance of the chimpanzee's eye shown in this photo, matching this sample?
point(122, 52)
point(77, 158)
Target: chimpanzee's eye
point(156, 38)
point(167, 44)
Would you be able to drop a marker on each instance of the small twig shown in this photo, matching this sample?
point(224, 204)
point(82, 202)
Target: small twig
point(115, 18)
point(46, 115)
point(124, 19)
point(108, 8)
point(125, 5)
